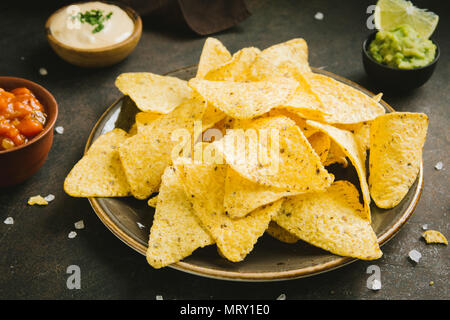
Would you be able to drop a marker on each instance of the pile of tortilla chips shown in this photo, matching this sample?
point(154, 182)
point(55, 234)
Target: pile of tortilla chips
point(246, 147)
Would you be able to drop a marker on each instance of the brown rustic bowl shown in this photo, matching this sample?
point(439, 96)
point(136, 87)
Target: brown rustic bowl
point(19, 163)
point(99, 57)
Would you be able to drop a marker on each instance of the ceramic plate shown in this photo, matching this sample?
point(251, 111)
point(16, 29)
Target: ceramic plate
point(270, 259)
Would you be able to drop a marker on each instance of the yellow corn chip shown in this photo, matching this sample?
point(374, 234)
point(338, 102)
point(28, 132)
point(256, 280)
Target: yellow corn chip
point(342, 103)
point(234, 238)
point(99, 173)
point(336, 155)
point(145, 155)
point(213, 55)
point(237, 69)
point(433, 236)
point(349, 146)
point(243, 196)
point(37, 200)
point(321, 145)
point(282, 157)
point(281, 234)
point(152, 202)
point(245, 100)
point(299, 119)
point(331, 220)
point(211, 116)
point(361, 132)
point(289, 55)
point(396, 142)
point(176, 231)
point(133, 130)
point(144, 119)
point(152, 92)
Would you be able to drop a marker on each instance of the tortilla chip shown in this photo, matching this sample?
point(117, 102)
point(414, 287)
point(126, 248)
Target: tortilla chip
point(245, 100)
point(361, 132)
point(285, 161)
point(144, 119)
point(145, 155)
point(243, 196)
point(336, 155)
point(39, 200)
point(347, 142)
point(237, 69)
point(152, 92)
point(299, 119)
point(396, 142)
point(234, 238)
point(289, 55)
point(331, 220)
point(99, 173)
point(211, 116)
point(433, 236)
point(281, 234)
point(176, 231)
point(342, 103)
point(321, 144)
point(152, 202)
point(213, 55)
point(133, 130)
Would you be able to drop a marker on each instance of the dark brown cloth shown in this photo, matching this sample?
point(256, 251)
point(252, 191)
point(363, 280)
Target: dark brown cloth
point(202, 16)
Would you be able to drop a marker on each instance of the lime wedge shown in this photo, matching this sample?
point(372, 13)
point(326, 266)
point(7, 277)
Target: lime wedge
point(390, 14)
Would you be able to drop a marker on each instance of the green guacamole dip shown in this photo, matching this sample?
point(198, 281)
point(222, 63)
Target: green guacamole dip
point(402, 48)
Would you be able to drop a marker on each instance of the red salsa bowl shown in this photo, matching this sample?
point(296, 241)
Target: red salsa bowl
point(28, 114)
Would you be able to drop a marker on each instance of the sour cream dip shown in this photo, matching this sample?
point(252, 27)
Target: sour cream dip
point(91, 25)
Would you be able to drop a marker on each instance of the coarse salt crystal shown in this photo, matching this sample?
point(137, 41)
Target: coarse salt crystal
point(9, 220)
point(59, 129)
point(79, 225)
point(439, 165)
point(72, 234)
point(415, 255)
point(140, 225)
point(49, 198)
point(425, 227)
point(43, 71)
point(159, 297)
point(318, 16)
point(281, 297)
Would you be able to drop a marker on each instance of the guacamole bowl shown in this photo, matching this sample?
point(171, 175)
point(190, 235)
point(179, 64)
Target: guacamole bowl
point(387, 77)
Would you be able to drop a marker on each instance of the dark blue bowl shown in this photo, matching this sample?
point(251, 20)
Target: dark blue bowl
point(393, 78)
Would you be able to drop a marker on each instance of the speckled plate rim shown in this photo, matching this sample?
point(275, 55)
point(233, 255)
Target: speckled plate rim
point(257, 276)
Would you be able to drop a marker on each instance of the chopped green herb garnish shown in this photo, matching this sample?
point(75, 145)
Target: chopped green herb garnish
point(94, 18)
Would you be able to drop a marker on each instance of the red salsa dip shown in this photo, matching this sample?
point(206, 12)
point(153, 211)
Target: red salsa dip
point(22, 117)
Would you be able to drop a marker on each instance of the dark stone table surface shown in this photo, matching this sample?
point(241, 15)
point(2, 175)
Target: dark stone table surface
point(35, 252)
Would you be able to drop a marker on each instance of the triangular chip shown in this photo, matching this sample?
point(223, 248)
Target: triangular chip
point(245, 100)
point(237, 69)
point(347, 142)
point(336, 155)
point(145, 155)
point(213, 55)
point(99, 173)
point(289, 55)
point(361, 132)
point(234, 238)
point(281, 234)
point(176, 231)
point(144, 119)
point(152, 92)
point(332, 221)
point(321, 144)
point(243, 196)
point(433, 236)
point(396, 142)
point(342, 103)
point(280, 157)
